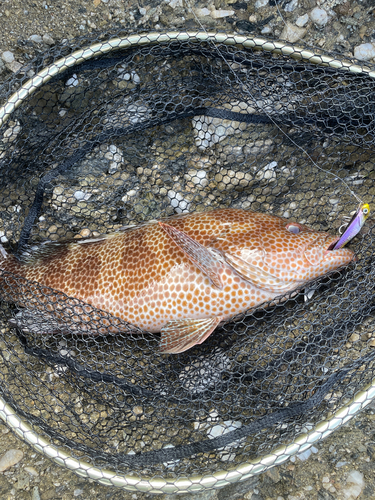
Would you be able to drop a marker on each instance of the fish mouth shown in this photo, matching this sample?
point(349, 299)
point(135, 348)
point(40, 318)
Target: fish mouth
point(332, 244)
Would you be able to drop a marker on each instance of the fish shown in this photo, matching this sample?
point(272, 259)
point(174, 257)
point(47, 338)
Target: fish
point(184, 275)
point(354, 226)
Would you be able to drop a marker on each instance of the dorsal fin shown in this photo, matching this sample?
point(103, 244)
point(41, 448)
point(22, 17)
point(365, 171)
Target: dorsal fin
point(36, 254)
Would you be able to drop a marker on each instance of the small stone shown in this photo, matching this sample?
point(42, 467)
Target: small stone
point(14, 66)
point(218, 14)
point(84, 233)
point(261, 3)
point(291, 6)
point(340, 464)
point(354, 485)
point(365, 51)
point(7, 56)
point(319, 17)
point(32, 471)
point(325, 479)
point(77, 492)
point(292, 33)
point(174, 3)
point(135, 77)
point(35, 494)
point(36, 38)
point(354, 337)
point(274, 474)
point(197, 177)
point(138, 410)
point(178, 202)
point(266, 30)
point(130, 194)
point(73, 81)
point(10, 458)
point(81, 195)
point(23, 482)
point(202, 12)
point(48, 40)
point(302, 21)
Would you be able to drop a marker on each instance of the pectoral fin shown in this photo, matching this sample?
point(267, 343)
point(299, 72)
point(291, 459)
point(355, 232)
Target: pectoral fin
point(258, 276)
point(199, 255)
point(180, 335)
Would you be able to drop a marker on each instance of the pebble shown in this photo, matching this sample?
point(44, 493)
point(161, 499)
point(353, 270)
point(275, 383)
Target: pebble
point(266, 30)
point(319, 17)
point(32, 471)
point(135, 77)
point(354, 485)
point(178, 202)
point(174, 3)
point(197, 177)
point(81, 195)
point(302, 21)
point(77, 492)
point(73, 81)
point(48, 40)
point(202, 12)
point(10, 458)
point(36, 38)
point(3, 238)
point(340, 464)
point(307, 453)
point(14, 66)
point(365, 51)
point(267, 172)
point(7, 56)
point(261, 3)
point(35, 495)
point(292, 33)
point(218, 14)
point(129, 195)
point(291, 6)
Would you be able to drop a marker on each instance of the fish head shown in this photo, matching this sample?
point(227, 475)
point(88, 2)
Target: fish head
point(299, 253)
point(279, 256)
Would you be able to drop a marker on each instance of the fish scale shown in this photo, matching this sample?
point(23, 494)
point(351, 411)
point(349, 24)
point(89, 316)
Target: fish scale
point(183, 275)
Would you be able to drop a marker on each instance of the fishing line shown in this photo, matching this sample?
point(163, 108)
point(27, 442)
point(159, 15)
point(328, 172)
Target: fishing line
point(267, 113)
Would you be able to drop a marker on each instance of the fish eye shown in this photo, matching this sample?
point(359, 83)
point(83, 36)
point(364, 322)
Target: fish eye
point(365, 211)
point(293, 229)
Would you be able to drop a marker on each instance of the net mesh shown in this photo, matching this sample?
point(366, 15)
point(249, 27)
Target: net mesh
point(169, 128)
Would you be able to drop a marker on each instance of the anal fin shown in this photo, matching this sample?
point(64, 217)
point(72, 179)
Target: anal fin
point(180, 335)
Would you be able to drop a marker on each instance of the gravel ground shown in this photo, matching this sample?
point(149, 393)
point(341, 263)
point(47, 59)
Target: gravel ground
point(343, 465)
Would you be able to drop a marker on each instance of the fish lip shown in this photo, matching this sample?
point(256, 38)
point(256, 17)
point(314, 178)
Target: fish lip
point(331, 245)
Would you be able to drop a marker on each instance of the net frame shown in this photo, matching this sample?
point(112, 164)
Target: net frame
point(223, 477)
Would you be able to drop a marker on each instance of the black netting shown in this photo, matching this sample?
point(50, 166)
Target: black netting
point(164, 129)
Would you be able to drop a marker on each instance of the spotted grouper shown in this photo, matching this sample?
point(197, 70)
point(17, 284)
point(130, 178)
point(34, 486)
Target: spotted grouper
point(183, 275)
